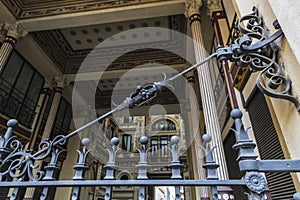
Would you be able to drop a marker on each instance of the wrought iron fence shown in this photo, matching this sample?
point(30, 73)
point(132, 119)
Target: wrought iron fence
point(17, 163)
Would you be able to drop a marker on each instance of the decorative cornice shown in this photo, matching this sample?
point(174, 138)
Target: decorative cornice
point(192, 7)
point(25, 9)
point(14, 30)
point(213, 6)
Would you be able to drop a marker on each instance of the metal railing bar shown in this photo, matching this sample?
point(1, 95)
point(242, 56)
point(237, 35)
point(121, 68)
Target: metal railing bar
point(85, 183)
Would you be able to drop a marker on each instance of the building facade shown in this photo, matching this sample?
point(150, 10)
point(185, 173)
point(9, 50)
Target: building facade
point(65, 63)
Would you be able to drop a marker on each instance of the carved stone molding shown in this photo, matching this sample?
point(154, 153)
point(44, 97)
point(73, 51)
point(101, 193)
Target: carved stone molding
point(192, 7)
point(24, 9)
point(213, 6)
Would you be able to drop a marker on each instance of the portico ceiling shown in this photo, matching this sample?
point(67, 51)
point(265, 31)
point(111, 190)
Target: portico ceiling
point(68, 47)
point(68, 30)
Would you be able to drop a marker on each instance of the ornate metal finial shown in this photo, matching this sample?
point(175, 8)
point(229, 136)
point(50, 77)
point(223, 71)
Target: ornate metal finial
point(175, 165)
point(112, 153)
point(210, 163)
point(4, 140)
point(142, 165)
point(244, 145)
point(7, 140)
point(81, 166)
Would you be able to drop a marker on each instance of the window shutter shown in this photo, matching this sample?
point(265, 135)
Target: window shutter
point(280, 184)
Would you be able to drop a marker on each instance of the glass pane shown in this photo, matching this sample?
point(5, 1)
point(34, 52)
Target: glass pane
point(164, 146)
point(12, 68)
point(24, 79)
point(35, 87)
point(59, 118)
point(126, 142)
point(154, 146)
point(46, 113)
point(67, 119)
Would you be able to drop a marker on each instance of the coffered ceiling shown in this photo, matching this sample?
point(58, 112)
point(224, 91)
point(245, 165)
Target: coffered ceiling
point(68, 47)
point(68, 31)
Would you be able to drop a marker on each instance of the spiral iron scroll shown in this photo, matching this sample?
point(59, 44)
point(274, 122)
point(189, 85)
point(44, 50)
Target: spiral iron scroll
point(255, 49)
point(17, 162)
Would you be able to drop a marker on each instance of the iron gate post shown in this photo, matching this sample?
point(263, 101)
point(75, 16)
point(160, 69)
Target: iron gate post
point(80, 167)
point(142, 166)
point(210, 164)
point(176, 165)
point(51, 171)
point(111, 165)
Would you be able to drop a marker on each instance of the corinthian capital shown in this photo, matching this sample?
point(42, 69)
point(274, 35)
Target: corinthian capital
point(14, 30)
point(60, 81)
point(192, 7)
point(213, 6)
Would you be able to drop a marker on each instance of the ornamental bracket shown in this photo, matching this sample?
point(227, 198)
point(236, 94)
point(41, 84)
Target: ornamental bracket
point(256, 50)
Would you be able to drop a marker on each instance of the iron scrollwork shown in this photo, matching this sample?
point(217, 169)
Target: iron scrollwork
point(15, 162)
point(256, 50)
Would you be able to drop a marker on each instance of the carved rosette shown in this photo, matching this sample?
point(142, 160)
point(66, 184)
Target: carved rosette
point(255, 182)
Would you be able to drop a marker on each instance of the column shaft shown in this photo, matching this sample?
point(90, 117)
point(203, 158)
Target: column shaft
point(53, 110)
point(44, 97)
point(206, 90)
point(195, 137)
point(13, 32)
point(208, 101)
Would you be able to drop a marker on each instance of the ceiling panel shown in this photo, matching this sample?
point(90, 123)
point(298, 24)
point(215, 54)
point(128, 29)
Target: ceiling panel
point(68, 48)
point(82, 38)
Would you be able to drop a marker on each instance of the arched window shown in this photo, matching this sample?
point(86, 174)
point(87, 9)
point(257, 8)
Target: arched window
point(164, 125)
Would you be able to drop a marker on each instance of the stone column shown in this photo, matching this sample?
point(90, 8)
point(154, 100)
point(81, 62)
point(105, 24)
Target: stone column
point(206, 90)
point(195, 139)
point(60, 82)
point(44, 97)
point(12, 33)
